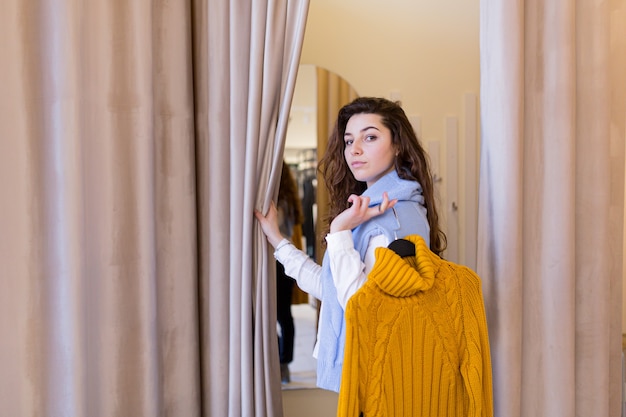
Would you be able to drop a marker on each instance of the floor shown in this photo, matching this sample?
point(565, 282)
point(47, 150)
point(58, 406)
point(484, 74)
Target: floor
point(301, 397)
point(302, 368)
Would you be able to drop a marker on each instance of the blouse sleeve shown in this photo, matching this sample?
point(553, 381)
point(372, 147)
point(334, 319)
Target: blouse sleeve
point(349, 271)
point(300, 267)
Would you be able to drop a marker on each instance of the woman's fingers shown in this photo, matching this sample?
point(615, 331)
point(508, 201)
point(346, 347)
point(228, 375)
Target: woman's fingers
point(269, 224)
point(360, 206)
point(359, 212)
point(358, 202)
point(386, 203)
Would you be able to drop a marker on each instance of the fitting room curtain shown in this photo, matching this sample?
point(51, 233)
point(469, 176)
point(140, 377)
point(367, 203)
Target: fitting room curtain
point(136, 137)
point(551, 205)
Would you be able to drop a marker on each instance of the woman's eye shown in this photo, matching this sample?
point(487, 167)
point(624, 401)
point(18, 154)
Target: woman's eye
point(370, 138)
point(349, 142)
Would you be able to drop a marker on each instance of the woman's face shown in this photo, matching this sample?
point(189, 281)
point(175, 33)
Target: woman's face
point(369, 151)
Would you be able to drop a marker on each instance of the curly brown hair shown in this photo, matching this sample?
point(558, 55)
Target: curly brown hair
point(412, 162)
point(288, 192)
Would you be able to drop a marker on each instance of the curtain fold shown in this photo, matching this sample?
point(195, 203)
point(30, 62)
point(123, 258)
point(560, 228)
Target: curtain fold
point(135, 140)
point(242, 113)
point(552, 205)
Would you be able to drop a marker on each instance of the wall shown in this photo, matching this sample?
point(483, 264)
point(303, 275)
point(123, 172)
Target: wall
point(302, 128)
point(426, 50)
point(618, 69)
point(426, 54)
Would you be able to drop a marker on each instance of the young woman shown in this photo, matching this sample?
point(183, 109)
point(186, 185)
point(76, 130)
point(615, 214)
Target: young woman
point(380, 188)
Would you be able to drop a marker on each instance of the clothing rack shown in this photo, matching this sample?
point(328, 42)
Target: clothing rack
point(303, 164)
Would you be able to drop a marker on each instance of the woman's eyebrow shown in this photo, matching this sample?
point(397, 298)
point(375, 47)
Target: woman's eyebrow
point(361, 131)
point(368, 128)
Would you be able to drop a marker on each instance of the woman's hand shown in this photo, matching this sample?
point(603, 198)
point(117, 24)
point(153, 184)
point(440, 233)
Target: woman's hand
point(269, 225)
point(359, 212)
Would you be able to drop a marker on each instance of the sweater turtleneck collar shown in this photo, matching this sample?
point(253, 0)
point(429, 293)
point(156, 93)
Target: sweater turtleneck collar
point(397, 277)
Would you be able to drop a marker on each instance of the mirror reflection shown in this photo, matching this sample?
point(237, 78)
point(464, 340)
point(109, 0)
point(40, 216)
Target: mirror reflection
point(318, 96)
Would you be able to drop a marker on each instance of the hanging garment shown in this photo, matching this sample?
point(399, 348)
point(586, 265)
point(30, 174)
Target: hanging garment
point(416, 340)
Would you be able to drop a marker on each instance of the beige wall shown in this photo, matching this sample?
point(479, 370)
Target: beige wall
point(426, 54)
point(425, 50)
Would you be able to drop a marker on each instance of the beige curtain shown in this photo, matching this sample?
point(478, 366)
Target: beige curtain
point(136, 137)
point(551, 203)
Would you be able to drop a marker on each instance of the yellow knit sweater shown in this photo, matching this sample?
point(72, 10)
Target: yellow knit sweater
point(416, 340)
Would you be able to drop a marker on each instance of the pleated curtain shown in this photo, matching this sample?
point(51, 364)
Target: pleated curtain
point(551, 205)
point(136, 138)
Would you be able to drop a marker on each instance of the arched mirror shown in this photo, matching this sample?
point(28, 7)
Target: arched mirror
point(318, 96)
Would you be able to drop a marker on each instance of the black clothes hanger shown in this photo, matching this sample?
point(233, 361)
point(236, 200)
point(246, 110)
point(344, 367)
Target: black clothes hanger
point(402, 247)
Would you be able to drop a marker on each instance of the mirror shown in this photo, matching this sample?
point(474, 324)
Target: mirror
point(318, 96)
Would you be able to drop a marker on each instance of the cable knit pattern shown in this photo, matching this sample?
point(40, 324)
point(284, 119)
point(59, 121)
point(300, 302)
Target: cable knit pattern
point(416, 340)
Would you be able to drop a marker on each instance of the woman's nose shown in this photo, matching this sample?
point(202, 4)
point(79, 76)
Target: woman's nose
point(356, 148)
